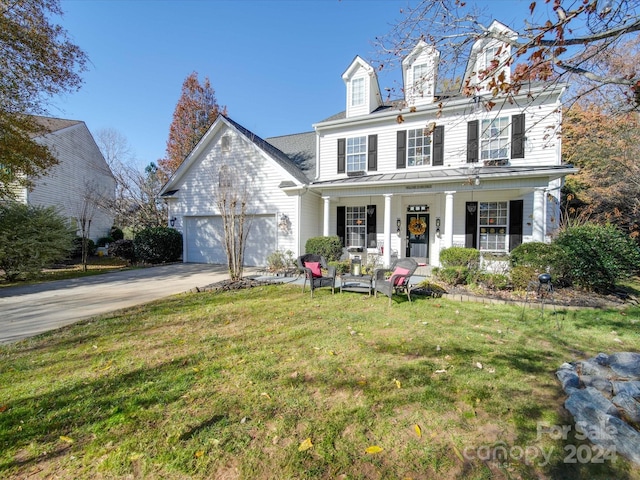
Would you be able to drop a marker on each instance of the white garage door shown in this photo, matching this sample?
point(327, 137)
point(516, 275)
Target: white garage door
point(205, 240)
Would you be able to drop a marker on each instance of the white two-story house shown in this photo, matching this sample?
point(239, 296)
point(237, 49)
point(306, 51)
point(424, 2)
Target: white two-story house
point(404, 178)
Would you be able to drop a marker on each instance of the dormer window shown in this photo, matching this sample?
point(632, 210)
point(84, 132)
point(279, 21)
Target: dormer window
point(421, 80)
point(357, 92)
point(225, 143)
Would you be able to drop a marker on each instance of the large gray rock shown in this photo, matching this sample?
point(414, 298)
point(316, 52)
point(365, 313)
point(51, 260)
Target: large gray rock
point(589, 397)
point(630, 388)
point(606, 423)
point(603, 384)
point(630, 409)
point(608, 431)
point(568, 376)
point(625, 364)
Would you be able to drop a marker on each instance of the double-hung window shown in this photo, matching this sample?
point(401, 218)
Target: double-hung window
point(356, 154)
point(356, 223)
point(418, 148)
point(421, 79)
point(492, 217)
point(357, 92)
point(494, 139)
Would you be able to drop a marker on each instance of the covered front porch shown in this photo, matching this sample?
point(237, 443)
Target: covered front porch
point(418, 214)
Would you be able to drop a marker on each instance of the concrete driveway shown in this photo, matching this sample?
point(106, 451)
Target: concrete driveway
point(32, 309)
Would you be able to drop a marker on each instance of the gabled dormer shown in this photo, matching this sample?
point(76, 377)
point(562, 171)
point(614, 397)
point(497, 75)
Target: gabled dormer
point(490, 58)
point(419, 72)
point(363, 91)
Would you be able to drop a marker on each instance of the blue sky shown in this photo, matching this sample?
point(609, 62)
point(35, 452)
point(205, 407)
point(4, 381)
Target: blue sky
point(275, 64)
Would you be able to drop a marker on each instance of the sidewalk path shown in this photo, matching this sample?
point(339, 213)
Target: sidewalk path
point(28, 310)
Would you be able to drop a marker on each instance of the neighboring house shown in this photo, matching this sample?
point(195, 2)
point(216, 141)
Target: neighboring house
point(78, 185)
point(405, 179)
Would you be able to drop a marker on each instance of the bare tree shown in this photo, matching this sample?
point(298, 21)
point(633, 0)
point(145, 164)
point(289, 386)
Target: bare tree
point(90, 200)
point(557, 41)
point(232, 201)
point(136, 204)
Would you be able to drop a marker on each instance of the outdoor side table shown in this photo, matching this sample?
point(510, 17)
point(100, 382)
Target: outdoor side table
point(356, 283)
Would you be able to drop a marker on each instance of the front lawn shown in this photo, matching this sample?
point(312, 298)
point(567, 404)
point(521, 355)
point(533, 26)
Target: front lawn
point(267, 383)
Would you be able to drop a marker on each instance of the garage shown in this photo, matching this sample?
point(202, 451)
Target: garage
point(204, 240)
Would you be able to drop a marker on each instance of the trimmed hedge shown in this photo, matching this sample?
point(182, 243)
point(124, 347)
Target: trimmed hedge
point(158, 245)
point(329, 247)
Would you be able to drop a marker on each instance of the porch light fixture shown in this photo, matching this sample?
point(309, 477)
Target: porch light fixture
point(284, 223)
point(398, 223)
point(172, 222)
point(477, 180)
point(438, 227)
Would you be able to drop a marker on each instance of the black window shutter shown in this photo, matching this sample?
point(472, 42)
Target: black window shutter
point(438, 146)
point(372, 157)
point(341, 225)
point(401, 149)
point(472, 141)
point(515, 223)
point(471, 225)
point(371, 227)
point(517, 136)
point(342, 146)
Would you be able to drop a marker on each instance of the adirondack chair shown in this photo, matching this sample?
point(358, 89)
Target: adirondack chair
point(401, 272)
point(311, 266)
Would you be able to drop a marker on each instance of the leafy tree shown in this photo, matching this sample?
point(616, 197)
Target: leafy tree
point(606, 148)
point(195, 111)
point(37, 62)
point(558, 40)
point(595, 257)
point(31, 238)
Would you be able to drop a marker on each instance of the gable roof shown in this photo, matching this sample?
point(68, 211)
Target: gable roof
point(300, 149)
point(51, 124)
point(280, 157)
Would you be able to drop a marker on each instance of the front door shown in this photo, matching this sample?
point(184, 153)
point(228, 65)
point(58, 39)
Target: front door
point(418, 235)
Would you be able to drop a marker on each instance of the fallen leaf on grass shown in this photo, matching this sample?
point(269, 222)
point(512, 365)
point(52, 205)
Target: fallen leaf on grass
point(397, 382)
point(418, 430)
point(306, 445)
point(3, 408)
point(265, 394)
point(199, 453)
point(66, 439)
point(373, 449)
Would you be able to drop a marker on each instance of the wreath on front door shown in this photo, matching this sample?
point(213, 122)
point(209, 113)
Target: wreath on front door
point(417, 226)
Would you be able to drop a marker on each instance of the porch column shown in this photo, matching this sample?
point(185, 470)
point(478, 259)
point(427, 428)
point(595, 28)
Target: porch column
point(538, 215)
point(386, 255)
point(327, 210)
point(448, 219)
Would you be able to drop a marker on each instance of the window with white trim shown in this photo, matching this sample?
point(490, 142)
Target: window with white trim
point(422, 79)
point(492, 217)
point(356, 226)
point(357, 92)
point(418, 147)
point(491, 54)
point(494, 139)
point(356, 154)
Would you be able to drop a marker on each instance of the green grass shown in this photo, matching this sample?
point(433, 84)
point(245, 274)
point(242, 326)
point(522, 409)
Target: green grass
point(229, 385)
point(95, 266)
